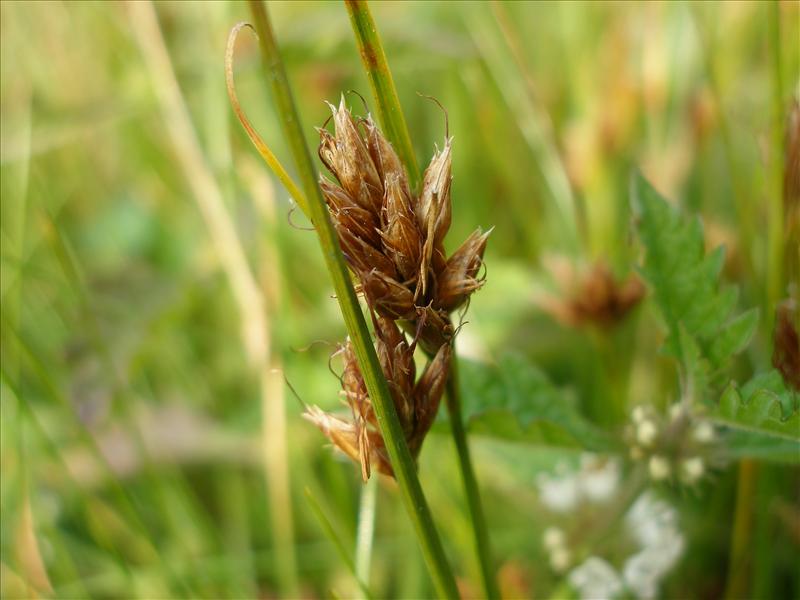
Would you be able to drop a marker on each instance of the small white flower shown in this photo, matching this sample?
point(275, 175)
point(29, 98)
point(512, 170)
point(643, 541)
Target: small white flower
point(703, 432)
point(659, 467)
point(559, 559)
point(595, 579)
point(640, 575)
point(676, 411)
point(646, 432)
point(692, 469)
point(559, 494)
point(553, 538)
point(598, 478)
point(638, 413)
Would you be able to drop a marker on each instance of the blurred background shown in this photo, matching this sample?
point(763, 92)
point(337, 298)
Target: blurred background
point(156, 289)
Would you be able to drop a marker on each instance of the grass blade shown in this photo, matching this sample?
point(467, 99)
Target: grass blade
point(380, 80)
point(330, 532)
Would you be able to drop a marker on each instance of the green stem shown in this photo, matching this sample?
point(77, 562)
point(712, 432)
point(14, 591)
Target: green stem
point(366, 528)
point(334, 537)
point(390, 114)
point(739, 561)
point(380, 80)
point(401, 459)
point(480, 531)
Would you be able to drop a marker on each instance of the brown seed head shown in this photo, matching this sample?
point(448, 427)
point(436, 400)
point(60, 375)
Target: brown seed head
point(360, 254)
point(786, 353)
point(384, 157)
point(428, 394)
point(459, 277)
point(401, 237)
point(386, 295)
point(393, 242)
point(397, 362)
point(592, 297)
point(348, 215)
point(346, 156)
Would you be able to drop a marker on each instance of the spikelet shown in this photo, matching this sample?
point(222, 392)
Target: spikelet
point(393, 240)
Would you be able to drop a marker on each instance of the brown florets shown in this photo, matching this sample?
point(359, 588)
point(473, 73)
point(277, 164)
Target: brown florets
point(393, 240)
point(592, 296)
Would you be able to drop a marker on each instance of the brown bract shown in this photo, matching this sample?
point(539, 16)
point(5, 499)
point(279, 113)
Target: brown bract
point(393, 241)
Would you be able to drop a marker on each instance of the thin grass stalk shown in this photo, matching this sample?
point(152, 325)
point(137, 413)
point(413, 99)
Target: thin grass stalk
point(480, 531)
point(333, 536)
point(394, 125)
point(534, 123)
point(399, 454)
point(739, 559)
point(254, 323)
point(381, 82)
point(366, 528)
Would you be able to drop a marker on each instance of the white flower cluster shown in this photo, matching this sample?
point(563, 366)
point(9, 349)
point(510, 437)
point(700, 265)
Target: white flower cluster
point(595, 481)
point(556, 543)
point(653, 524)
point(673, 446)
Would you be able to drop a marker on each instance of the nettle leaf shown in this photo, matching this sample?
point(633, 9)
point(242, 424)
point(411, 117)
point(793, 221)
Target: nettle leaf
point(685, 282)
point(763, 418)
point(513, 400)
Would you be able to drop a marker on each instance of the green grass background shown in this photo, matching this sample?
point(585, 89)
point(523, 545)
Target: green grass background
point(133, 431)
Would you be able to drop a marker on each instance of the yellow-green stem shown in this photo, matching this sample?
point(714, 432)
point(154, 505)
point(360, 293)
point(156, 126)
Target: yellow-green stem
point(480, 531)
point(401, 459)
point(390, 113)
point(739, 562)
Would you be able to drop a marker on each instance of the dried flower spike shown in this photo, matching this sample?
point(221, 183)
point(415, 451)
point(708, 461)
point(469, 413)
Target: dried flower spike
point(393, 242)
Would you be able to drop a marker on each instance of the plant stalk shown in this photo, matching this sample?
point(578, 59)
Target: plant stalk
point(399, 454)
point(480, 531)
point(381, 82)
point(740, 559)
point(390, 114)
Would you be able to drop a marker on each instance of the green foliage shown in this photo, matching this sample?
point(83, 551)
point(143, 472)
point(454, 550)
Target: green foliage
point(763, 406)
point(702, 334)
point(514, 400)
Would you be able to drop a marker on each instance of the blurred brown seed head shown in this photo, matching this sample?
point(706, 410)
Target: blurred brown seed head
point(786, 352)
point(593, 297)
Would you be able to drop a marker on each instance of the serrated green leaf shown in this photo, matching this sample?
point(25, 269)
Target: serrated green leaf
point(764, 416)
point(514, 400)
point(702, 334)
point(733, 338)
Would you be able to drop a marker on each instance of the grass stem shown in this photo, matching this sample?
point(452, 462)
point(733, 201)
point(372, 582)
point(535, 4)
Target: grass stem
point(480, 531)
point(390, 113)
